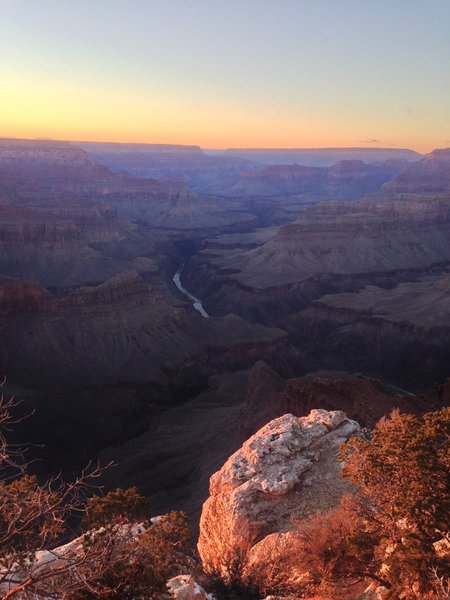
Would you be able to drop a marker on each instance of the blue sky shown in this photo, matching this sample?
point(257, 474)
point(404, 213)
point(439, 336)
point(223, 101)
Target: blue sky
point(286, 73)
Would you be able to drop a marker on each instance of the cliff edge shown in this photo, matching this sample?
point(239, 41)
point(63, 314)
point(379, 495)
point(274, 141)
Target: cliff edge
point(288, 469)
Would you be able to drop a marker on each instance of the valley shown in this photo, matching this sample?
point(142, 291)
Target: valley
point(159, 304)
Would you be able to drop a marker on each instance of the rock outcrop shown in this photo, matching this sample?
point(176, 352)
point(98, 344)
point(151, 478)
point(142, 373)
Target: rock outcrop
point(363, 399)
point(67, 559)
point(287, 469)
point(172, 463)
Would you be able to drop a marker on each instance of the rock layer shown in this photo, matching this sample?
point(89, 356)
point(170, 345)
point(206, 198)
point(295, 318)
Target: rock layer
point(120, 331)
point(402, 334)
point(345, 180)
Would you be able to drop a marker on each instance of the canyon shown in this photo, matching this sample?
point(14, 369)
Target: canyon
point(324, 277)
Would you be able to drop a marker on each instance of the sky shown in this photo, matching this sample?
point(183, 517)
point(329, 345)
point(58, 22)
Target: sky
point(228, 73)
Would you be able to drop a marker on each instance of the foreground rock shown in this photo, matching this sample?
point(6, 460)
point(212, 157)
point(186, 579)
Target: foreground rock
point(287, 469)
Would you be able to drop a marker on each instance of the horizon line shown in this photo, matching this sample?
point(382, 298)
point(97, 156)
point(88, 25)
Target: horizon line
point(224, 149)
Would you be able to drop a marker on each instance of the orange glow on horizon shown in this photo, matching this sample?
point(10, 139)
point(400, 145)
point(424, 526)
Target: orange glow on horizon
point(210, 143)
point(219, 75)
point(43, 109)
point(205, 140)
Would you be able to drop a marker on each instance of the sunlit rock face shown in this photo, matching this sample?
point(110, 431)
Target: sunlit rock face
point(289, 468)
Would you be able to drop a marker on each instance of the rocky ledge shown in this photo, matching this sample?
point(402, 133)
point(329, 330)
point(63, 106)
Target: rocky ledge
point(288, 469)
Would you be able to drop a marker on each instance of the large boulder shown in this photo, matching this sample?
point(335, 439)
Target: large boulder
point(288, 469)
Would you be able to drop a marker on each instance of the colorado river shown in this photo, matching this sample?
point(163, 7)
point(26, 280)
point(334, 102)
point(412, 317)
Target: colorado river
point(195, 301)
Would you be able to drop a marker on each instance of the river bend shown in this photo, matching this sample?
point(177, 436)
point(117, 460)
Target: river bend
point(197, 304)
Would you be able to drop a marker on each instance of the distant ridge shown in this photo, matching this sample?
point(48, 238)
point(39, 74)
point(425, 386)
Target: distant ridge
point(319, 157)
point(139, 148)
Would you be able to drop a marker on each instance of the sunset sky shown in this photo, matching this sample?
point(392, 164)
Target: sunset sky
point(228, 73)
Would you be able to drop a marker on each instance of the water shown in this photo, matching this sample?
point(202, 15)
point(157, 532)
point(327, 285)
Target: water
point(197, 304)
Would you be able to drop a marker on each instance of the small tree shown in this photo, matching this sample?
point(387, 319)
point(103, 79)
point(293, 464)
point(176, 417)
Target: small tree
point(122, 556)
point(32, 516)
point(119, 504)
point(403, 474)
point(316, 558)
point(140, 565)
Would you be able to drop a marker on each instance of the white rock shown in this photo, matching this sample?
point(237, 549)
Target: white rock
point(288, 468)
point(184, 587)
